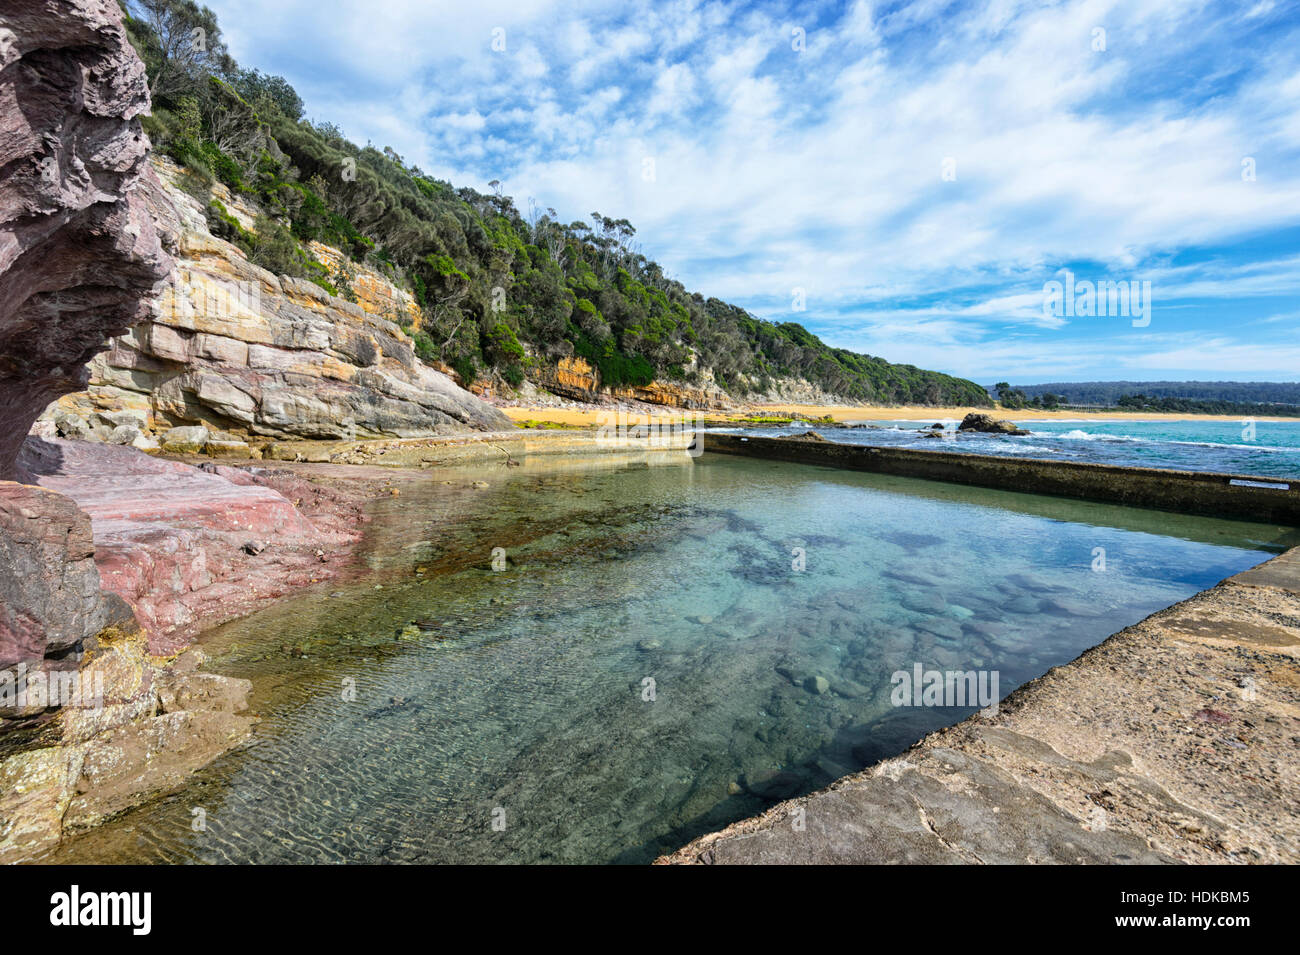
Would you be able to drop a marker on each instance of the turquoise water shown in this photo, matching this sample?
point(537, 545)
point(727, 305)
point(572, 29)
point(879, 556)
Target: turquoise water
point(519, 695)
point(1271, 450)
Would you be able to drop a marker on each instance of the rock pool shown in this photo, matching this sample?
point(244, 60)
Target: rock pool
point(655, 650)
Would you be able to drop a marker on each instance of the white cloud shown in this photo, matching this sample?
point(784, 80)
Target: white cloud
point(822, 169)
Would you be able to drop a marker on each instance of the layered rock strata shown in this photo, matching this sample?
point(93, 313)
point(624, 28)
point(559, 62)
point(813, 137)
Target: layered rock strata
point(254, 357)
point(79, 254)
point(189, 547)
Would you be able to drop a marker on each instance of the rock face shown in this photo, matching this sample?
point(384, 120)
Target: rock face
point(79, 254)
point(169, 537)
point(982, 422)
point(576, 379)
point(50, 597)
point(90, 723)
point(140, 731)
point(233, 348)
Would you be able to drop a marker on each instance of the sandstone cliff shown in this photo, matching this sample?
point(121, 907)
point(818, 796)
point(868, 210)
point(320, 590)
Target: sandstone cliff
point(89, 724)
point(254, 357)
point(78, 250)
point(576, 379)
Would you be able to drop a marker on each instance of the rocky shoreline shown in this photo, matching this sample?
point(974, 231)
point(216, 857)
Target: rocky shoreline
point(1142, 750)
point(119, 561)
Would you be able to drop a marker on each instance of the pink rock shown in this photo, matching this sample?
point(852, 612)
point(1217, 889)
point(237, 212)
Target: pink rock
point(169, 537)
point(80, 254)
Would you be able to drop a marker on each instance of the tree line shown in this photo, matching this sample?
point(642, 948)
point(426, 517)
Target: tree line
point(503, 292)
point(1108, 393)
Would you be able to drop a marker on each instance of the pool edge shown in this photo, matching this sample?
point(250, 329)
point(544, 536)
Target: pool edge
point(1194, 492)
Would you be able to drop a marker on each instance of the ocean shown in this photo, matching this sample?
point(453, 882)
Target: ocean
point(1260, 448)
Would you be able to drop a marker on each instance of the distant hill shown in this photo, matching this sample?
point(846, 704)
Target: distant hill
point(1108, 393)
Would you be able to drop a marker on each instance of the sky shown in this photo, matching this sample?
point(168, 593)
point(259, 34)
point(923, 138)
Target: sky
point(903, 179)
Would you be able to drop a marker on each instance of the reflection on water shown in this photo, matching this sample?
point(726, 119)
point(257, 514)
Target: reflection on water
point(519, 696)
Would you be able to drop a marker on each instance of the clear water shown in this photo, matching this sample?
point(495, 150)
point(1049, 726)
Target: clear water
point(520, 692)
point(1272, 450)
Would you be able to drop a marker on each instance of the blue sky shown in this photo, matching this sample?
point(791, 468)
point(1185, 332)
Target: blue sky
point(763, 148)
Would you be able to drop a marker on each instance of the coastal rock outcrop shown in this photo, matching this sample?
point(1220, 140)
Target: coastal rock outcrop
point(169, 537)
point(131, 729)
point(50, 596)
point(256, 357)
point(988, 425)
point(79, 254)
point(94, 716)
point(576, 379)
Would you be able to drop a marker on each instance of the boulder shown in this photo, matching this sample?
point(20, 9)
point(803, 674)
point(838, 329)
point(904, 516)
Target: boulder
point(50, 597)
point(984, 423)
point(187, 440)
point(816, 684)
point(143, 442)
point(223, 444)
point(124, 434)
point(138, 419)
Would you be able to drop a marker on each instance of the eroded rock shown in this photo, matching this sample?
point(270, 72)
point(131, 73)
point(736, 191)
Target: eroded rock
point(989, 425)
point(81, 255)
point(235, 349)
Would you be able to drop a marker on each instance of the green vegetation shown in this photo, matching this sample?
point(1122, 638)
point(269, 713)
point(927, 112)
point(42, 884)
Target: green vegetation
point(1014, 398)
point(1117, 400)
point(504, 292)
point(1196, 406)
point(1108, 393)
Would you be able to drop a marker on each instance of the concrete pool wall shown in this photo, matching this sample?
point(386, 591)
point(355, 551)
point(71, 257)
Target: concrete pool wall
point(1192, 492)
point(1176, 740)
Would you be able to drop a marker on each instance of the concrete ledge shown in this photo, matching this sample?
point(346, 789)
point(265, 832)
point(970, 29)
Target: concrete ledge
point(1220, 495)
point(473, 448)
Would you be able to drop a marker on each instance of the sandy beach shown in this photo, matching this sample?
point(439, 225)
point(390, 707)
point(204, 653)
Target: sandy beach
point(592, 416)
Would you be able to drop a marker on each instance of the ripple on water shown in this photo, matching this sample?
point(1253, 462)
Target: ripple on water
point(462, 714)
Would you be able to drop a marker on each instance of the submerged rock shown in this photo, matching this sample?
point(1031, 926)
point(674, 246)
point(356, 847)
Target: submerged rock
point(1024, 605)
point(1066, 607)
point(775, 784)
point(816, 684)
point(911, 542)
point(1024, 581)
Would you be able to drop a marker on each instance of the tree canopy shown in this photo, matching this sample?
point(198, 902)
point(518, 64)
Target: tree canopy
point(502, 293)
